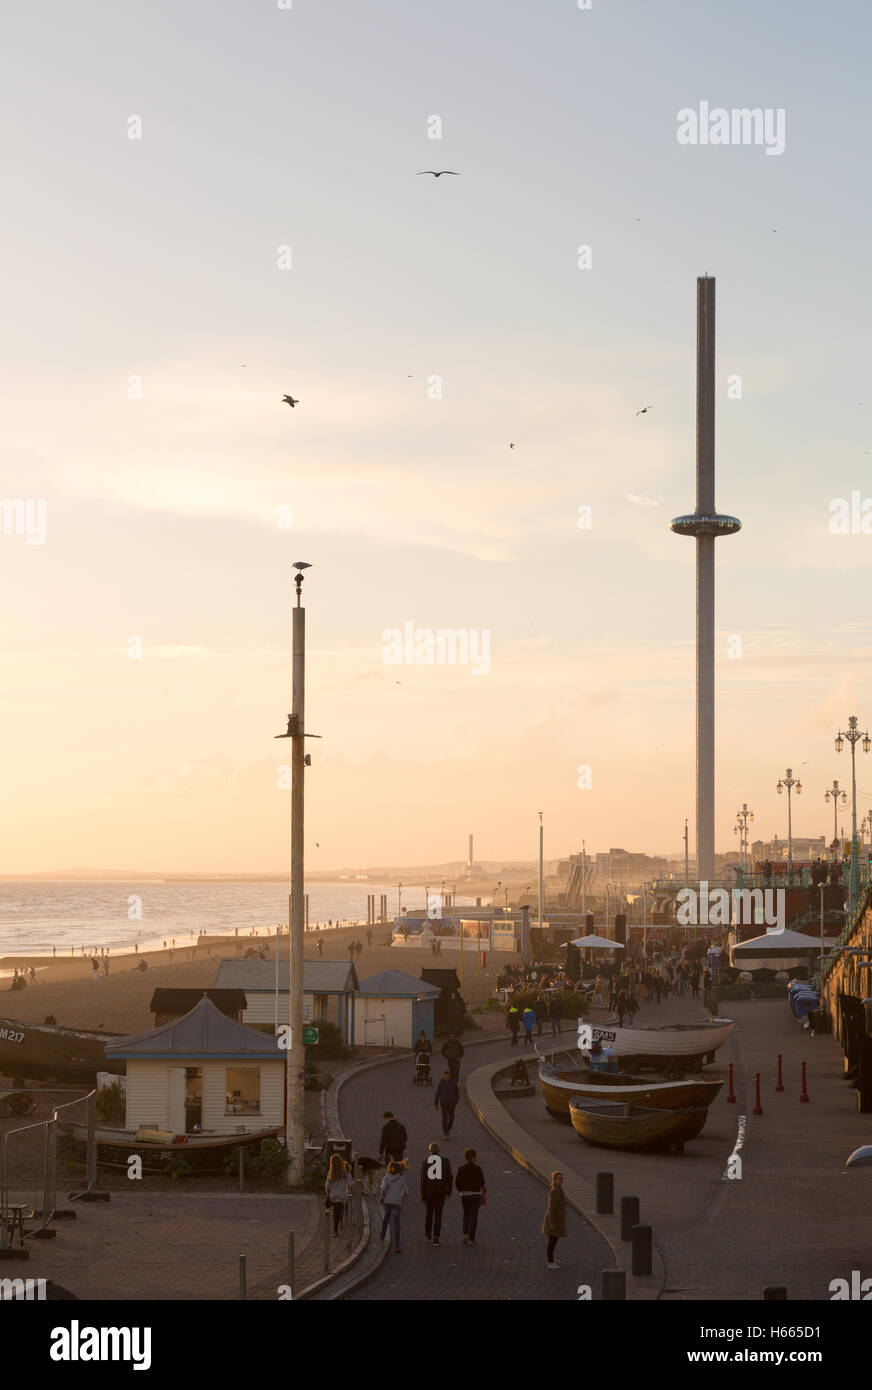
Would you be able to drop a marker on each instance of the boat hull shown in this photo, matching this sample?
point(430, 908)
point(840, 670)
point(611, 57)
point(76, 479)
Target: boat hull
point(611, 1125)
point(45, 1052)
point(686, 1043)
point(559, 1086)
point(205, 1153)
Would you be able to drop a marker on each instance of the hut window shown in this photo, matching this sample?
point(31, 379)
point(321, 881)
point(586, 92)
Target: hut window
point(243, 1091)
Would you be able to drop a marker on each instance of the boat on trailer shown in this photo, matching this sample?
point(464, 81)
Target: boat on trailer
point(206, 1153)
point(690, 1043)
point(612, 1124)
point(562, 1078)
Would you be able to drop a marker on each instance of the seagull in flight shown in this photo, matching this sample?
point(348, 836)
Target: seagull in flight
point(644, 410)
point(437, 173)
point(290, 401)
point(511, 446)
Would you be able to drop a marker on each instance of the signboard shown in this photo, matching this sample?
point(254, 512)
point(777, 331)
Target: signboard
point(310, 1036)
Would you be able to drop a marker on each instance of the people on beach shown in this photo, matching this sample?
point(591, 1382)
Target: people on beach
point(471, 1186)
point(393, 1189)
point(338, 1189)
point(554, 1220)
point(436, 1185)
point(447, 1096)
point(453, 1052)
point(392, 1144)
point(513, 1023)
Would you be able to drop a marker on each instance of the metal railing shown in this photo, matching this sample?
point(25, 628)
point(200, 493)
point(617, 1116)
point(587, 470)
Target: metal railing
point(40, 1193)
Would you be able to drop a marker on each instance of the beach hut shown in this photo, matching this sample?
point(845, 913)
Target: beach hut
point(202, 1072)
point(329, 991)
point(392, 1008)
point(168, 1004)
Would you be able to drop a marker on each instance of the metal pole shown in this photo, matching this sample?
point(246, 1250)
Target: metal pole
point(241, 1152)
point(242, 1276)
point(584, 875)
point(822, 938)
point(296, 1051)
point(686, 857)
point(91, 1172)
point(789, 834)
point(541, 866)
point(277, 983)
point(291, 1262)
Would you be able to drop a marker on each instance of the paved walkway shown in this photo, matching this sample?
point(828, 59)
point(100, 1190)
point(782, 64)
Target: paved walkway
point(507, 1262)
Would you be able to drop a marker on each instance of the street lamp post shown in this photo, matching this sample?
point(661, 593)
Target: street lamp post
point(854, 736)
point(838, 798)
point(741, 829)
point(399, 898)
point(789, 781)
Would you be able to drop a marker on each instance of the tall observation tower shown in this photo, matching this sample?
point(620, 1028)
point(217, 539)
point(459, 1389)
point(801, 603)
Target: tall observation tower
point(706, 525)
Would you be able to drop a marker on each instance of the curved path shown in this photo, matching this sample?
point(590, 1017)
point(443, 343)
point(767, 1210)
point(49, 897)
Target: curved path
point(507, 1261)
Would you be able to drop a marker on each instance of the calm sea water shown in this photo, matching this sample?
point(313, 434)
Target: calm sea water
point(36, 916)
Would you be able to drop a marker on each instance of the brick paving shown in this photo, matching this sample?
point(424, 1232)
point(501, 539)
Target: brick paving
point(507, 1262)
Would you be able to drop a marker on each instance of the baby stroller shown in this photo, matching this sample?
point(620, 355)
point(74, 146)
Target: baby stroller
point(422, 1075)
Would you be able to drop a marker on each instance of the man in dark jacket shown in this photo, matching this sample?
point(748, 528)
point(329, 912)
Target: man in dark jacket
point(513, 1023)
point(539, 1010)
point(452, 1052)
point(436, 1184)
point(447, 1095)
point(470, 1184)
point(556, 1017)
point(392, 1144)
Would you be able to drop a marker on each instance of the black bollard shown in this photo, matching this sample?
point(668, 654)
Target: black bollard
point(775, 1293)
point(642, 1248)
point(614, 1285)
point(629, 1216)
point(605, 1193)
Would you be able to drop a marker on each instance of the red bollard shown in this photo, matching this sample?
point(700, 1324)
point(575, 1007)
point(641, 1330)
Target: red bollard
point(758, 1108)
point(731, 1095)
point(803, 1095)
point(780, 1084)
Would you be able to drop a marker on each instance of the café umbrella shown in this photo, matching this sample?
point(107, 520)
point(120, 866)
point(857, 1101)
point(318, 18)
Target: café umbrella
point(596, 943)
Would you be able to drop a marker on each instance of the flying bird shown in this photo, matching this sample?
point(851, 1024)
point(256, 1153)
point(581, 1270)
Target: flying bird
point(290, 401)
point(644, 410)
point(437, 173)
point(511, 446)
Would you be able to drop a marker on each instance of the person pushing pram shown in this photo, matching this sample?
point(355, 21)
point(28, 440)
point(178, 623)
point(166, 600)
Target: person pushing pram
point(423, 1049)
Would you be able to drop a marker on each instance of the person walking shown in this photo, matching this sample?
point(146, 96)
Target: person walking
point(453, 1052)
point(392, 1144)
point(513, 1023)
point(631, 1004)
point(528, 1019)
point(423, 1043)
point(320, 945)
point(338, 1189)
point(471, 1186)
point(556, 1016)
point(554, 1220)
point(369, 936)
point(436, 1185)
point(620, 1007)
point(447, 1095)
point(540, 1011)
point(393, 1189)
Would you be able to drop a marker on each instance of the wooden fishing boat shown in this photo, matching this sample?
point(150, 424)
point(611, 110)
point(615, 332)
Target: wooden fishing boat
point(559, 1082)
point(48, 1052)
point(206, 1153)
point(610, 1124)
point(672, 1042)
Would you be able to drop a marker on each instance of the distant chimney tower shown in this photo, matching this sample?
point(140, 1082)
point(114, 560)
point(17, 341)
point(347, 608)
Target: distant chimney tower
point(470, 860)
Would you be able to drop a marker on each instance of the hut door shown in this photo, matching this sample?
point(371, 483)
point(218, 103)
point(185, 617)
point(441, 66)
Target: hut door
point(176, 1100)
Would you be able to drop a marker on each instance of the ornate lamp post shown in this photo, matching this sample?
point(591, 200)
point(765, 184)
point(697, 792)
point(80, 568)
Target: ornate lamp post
point(853, 735)
point(789, 781)
point(839, 798)
point(741, 829)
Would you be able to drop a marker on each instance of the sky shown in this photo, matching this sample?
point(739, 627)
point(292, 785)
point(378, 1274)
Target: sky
point(266, 231)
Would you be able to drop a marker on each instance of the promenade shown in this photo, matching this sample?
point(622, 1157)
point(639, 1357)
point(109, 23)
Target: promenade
point(507, 1261)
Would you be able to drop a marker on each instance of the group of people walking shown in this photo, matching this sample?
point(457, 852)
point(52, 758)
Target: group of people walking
point(436, 1184)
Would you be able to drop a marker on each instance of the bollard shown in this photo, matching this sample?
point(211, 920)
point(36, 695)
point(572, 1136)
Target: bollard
point(629, 1216)
point(758, 1108)
point(614, 1282)
point(242, 1276)
point(326, 1242)
point(803, 1095)
point(642, 1238)
point(605, 1193)
point(291, 1262)
point(780, 1083)
point(241, 1152)
point(731, 1095)
point(774, 1293)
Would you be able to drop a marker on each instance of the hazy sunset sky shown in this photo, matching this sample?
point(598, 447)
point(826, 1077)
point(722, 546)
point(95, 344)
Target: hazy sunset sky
point(158, 258)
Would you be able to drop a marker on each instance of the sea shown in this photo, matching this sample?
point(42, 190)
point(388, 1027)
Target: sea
point(37, 916)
